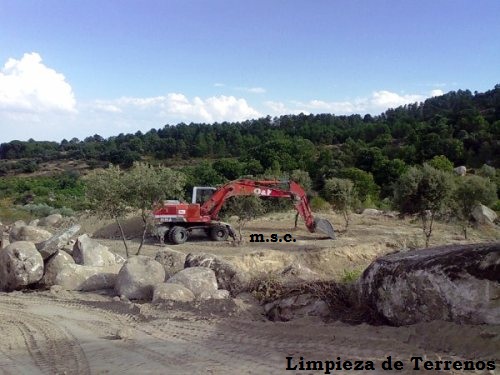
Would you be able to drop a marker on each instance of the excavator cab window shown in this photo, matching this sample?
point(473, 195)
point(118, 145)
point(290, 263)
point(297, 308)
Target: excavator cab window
point(201, 194)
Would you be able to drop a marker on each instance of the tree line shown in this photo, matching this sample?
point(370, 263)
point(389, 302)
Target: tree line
point(372, 152)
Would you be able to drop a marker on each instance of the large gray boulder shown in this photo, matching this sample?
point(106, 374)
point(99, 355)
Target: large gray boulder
point(459, 283)
point(171, 260)
point(172, 292)
point(89, 252)
point(29, 233)
point(20, 265)
point(86, 278)
point(57, 241)
point(484, 215)
point(200, 280)
point(54, 265)
point(138, 276)
point(228, 276)
point(299, 306)
point(51, 220)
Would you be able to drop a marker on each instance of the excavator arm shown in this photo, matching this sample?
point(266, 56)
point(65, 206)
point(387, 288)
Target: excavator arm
point(268, 188)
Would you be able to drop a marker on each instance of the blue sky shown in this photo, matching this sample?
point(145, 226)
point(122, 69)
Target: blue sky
point(77, 68)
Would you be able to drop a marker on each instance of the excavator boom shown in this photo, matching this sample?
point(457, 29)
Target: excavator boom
point(268, 188)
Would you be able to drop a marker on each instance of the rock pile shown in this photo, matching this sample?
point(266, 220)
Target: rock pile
point(35, 257)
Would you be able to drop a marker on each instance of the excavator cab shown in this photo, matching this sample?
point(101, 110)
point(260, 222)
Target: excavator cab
point(201, 194)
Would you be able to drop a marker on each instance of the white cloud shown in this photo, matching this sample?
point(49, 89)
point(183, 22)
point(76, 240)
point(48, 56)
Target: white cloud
point(437, 92)
point(378, 102)
point(28, 86)
point(178, 107)
point(253, 90)
point(385, 99)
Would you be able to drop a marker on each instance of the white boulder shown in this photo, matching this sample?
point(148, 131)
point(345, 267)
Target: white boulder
point(138, 276)
point(20, 265)
point(172, 292)
point(29, 233)
point(89, 252)
point(200, 280)
point(86, 278)
point(484, 215)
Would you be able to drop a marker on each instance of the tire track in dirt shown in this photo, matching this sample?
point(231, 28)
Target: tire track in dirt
point(52, 349)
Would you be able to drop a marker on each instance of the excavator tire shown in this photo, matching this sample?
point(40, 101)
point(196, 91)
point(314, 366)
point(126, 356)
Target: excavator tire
point(178, 235)
point(218, 233)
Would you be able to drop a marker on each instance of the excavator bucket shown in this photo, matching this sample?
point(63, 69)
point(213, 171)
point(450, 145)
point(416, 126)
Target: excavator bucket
point(324, 226)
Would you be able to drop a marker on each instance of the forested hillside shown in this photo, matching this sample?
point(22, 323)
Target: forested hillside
point(462, 126)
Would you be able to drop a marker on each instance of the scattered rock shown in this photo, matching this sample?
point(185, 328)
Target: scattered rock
point(218, 294)
point(228, 276)
point(197, 279)
point(20, 265)
point(484, 215)
point(461, 171)
point(459, 283)
point(124, 333)
point(34, 223)
point(119, 259)
point(56, 242)
point(4, 240)
point(54, 265)
point(89, 252)
point(299, 272)
point(172, 292)
point(86, 278)
point(300, 306)
point(51, 220)
point(372, 212)
point(138, 276)
point(171, 260)
point(29, 233)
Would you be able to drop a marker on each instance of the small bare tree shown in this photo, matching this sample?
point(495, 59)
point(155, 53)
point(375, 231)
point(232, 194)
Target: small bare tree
point(246, 208)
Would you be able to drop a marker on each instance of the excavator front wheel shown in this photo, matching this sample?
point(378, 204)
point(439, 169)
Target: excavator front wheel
point(218, 233)
point(178, 235)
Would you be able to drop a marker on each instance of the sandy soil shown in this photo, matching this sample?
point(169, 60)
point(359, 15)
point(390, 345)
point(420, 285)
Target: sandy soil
point(59, 332)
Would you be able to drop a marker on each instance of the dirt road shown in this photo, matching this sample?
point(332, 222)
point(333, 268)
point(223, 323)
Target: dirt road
point(76, 333)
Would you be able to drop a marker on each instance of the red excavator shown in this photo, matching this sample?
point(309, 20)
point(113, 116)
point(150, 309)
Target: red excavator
point(176, 220)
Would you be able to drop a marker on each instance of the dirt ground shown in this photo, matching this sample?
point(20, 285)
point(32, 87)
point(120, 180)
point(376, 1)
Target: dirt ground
point(60, 332)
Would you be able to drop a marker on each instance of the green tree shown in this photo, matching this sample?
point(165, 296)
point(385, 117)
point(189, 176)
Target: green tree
point(339, 193)
point(106, 193)
point(425, 191)
point(442, 163)
point(365, 187)
point(471, 191)
point(147, 185)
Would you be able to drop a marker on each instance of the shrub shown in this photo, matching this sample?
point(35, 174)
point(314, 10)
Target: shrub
point(425, 191)
point(318, 204)
point(471, 191)
point(441, 163)
point(339, 193)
